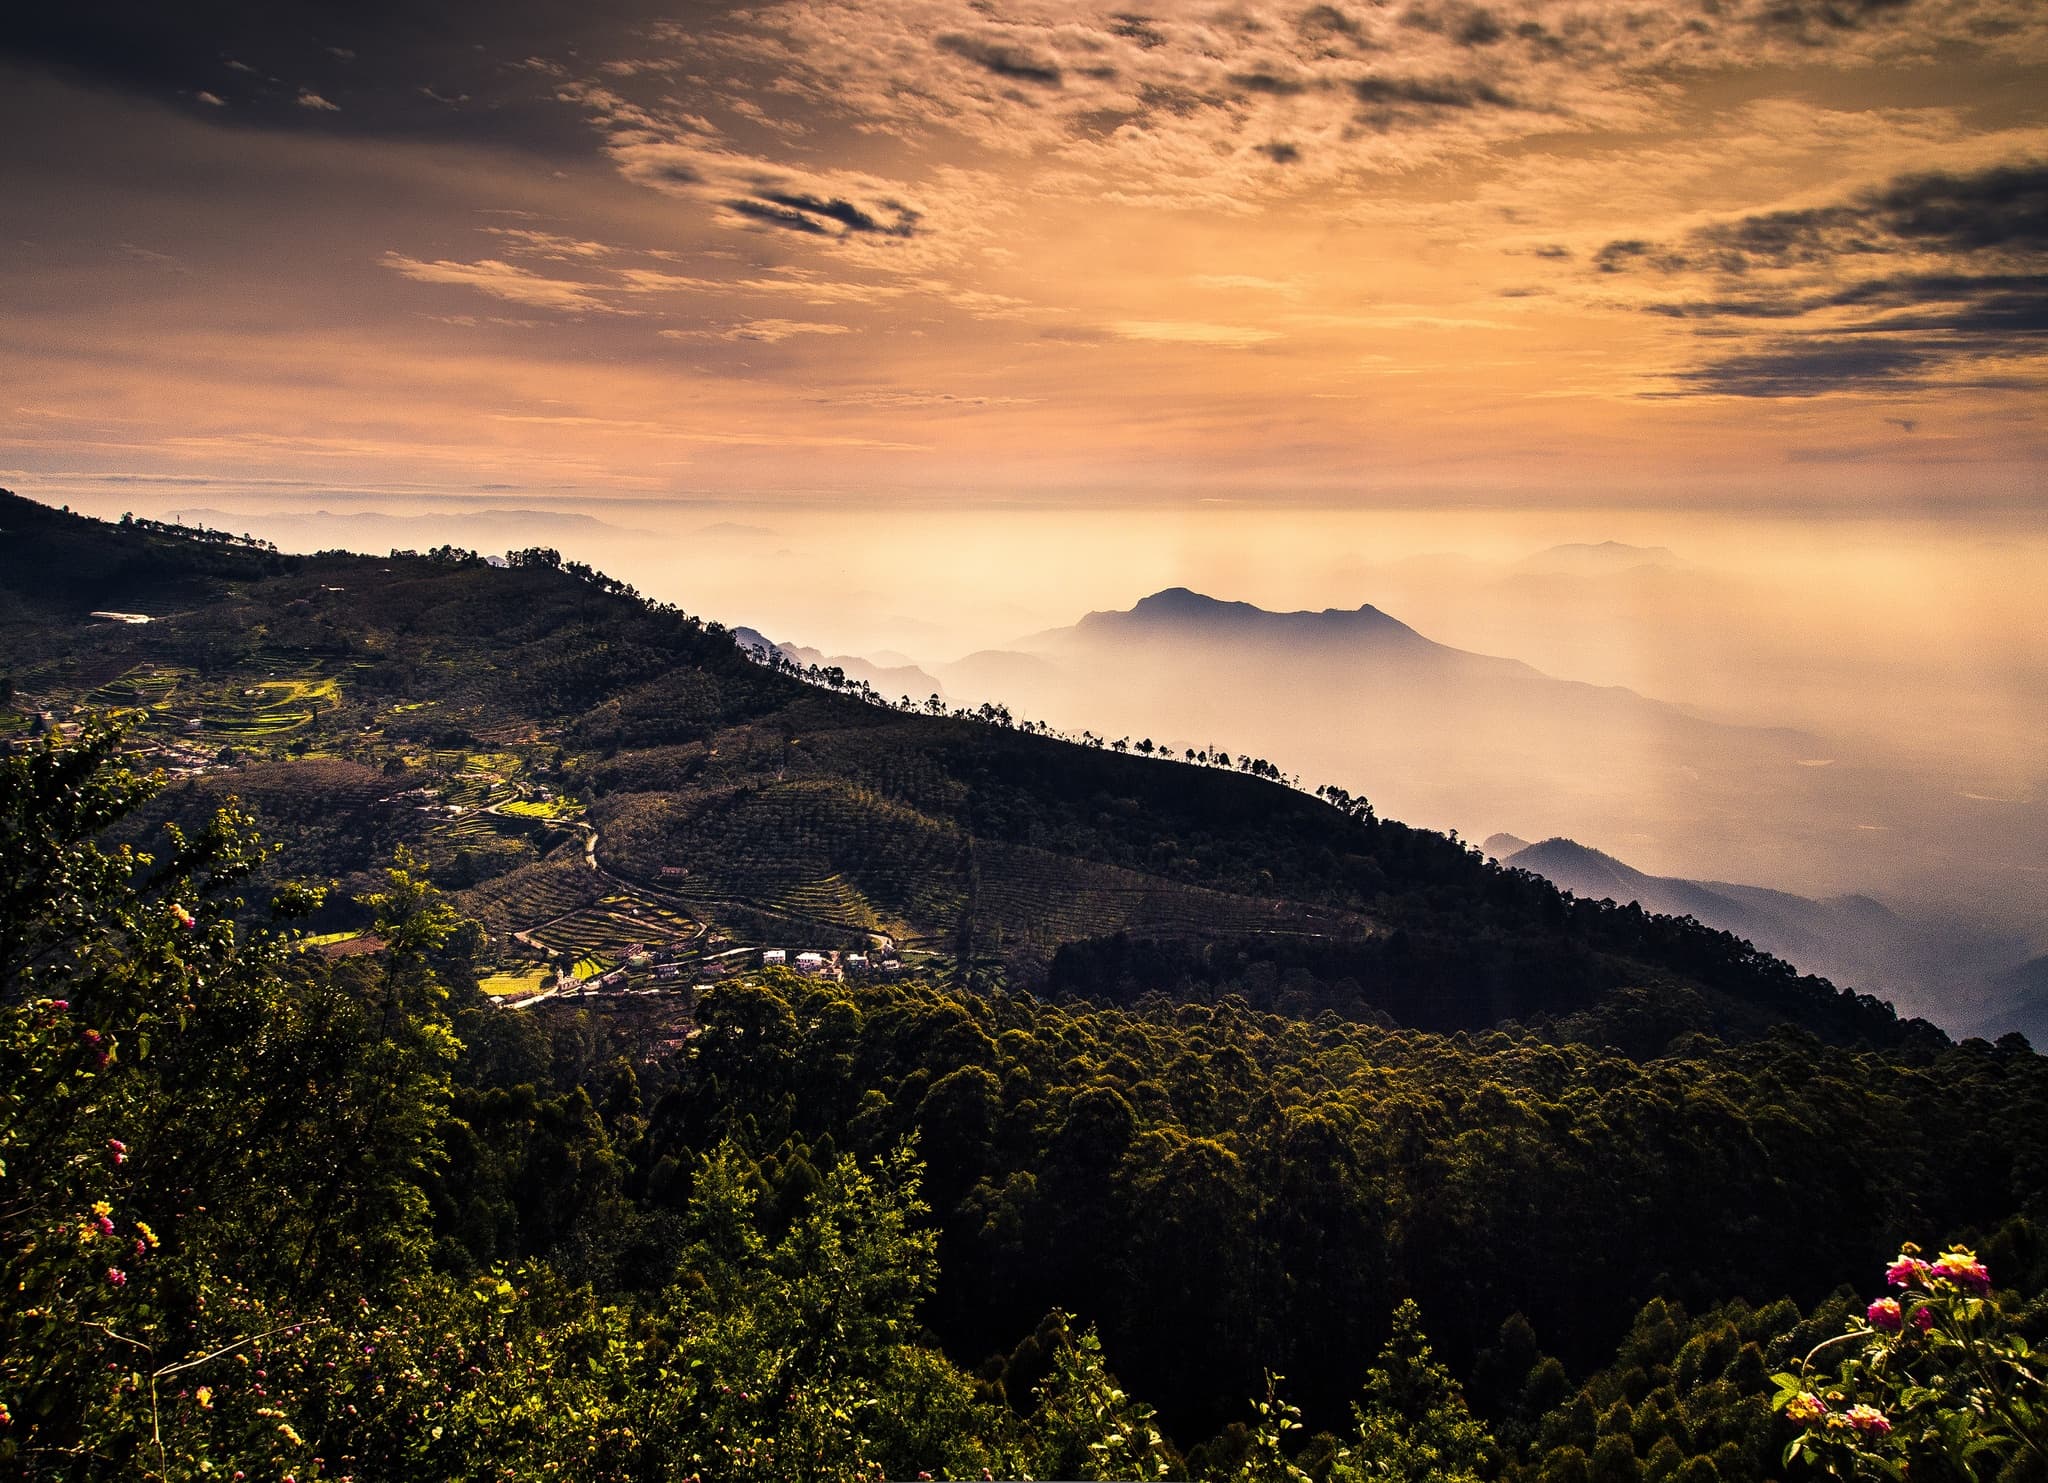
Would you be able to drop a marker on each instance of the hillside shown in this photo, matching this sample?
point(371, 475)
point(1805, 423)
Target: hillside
point(1939, 969)
point(497, 718)
point(884, 1206)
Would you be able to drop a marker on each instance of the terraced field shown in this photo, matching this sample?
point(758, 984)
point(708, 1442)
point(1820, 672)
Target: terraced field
point(267, 709)
point(535, 894)
point(241, 709)
point(814, 848)
point(618, 921)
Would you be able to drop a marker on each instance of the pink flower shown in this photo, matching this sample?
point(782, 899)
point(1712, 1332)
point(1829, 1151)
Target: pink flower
point(1962, 1268)
point(1870, 1420)
point(1884, 1314)
point(118, 1150)
point(1905, 1271)
point(181, 916)
point(117, 1277)
point(60, 1006)
point(1923, 1318)
point(105, 1225)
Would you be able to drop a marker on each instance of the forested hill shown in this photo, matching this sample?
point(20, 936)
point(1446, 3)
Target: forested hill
point(354, 703)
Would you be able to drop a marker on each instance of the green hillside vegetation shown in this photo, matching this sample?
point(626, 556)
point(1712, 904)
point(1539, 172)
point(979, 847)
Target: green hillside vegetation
point(1204, 1127)
point(282, 1215)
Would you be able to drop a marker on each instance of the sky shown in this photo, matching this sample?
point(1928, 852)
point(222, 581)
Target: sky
point(1727, 255)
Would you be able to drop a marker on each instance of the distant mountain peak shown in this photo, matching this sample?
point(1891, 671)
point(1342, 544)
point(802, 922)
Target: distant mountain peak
point(1187, 600)
point(1185, 605)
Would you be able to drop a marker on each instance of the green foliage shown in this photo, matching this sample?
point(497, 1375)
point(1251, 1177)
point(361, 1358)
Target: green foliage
point(1935, 1381)
point(1085, 1424)
point(202, 1141)
point(1220, 1191)
point(1413, 1425)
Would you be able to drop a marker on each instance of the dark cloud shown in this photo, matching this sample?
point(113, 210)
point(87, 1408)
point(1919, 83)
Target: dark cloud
point(1324, 23)
point(1280, 152)
point(1815, 367)
point(802, 212)
point(1005, 59)
point(391, 67)
point(1479, 28)
point(1269, 83)
point(1814, 20)
point(1136, 28)
point(1930, 274)
point(1429, 92)
point(1615, 256)
point(1928, 328)
point(2000, 210)
point(1468, 25)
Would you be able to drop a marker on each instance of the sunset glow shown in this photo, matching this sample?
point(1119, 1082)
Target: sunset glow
point(1541, 253)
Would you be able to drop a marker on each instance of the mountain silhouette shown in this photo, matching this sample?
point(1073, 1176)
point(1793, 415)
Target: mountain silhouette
point(1934, 968)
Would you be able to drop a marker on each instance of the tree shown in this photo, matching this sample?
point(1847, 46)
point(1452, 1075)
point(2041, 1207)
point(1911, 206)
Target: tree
point(205, 1140)
point(1413, 1425)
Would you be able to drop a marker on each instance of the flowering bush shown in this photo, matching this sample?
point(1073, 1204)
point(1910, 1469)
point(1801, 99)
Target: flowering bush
point(1930, 1380)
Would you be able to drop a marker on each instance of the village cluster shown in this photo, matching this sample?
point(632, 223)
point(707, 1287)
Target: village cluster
point(662, 970)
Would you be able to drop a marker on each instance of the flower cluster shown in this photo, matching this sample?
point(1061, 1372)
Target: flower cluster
point(1930, 1374)
point(1866, 1419)
point(1957, 1268)
point(1806, 1409)
point(1886, 1316)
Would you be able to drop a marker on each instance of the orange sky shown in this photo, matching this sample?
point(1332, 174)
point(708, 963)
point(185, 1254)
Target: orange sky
point(879, 250)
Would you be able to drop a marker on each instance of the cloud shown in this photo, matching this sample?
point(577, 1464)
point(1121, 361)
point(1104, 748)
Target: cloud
point(310, 99)
point(506, 281)
point(1192, 332)
point(1384, 96)
point(1189, 106)
point(1809, 368)
point(764, 331)
point(527, 241)
point(2001, 210)
point(1005, 58)
point(920, 399)
point(1931, 277)
point(211, 100)
point(746, 191)
point(1249, 281)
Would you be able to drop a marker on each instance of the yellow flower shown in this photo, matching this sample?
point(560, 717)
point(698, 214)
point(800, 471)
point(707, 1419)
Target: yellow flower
point(204, 1395)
